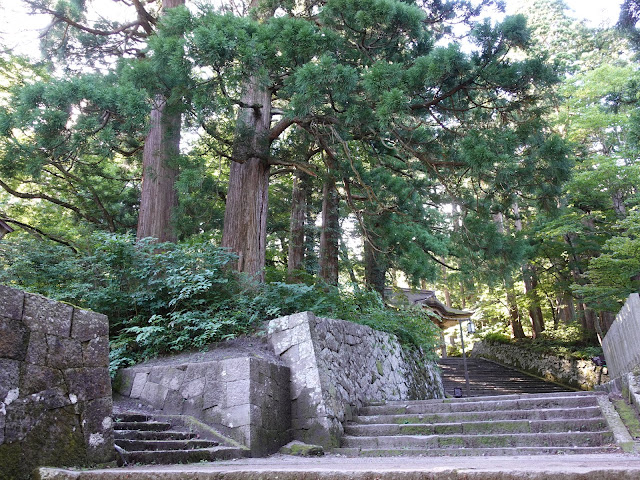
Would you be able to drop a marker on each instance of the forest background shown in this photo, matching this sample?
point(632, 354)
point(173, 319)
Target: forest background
point(192, 172)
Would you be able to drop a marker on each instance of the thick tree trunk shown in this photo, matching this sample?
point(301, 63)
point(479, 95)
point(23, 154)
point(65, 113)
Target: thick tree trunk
point(374, 269)
point(295, 260)
point(535, 311)
point(159, 197)
point(330, 233)
point(530, 283)
point(245, 216)
point(566, 308)
point(514, 313)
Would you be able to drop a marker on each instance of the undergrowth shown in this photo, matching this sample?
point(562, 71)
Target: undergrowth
point(164, 298)
point(569, 341)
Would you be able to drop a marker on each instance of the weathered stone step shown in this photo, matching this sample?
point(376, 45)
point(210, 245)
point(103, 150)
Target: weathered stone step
point(154, 426)
point(574, 439)
point(476, 452)
point(152, 435)
point(483, 405)
point(184, 456)
point(190, 444)
point(498, 415)
point(489, 378)
point(481, 427)
point(512, 396)
point(131, 417)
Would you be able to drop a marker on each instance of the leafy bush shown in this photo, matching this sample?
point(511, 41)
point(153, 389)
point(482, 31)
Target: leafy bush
point(163, 298)
point(494, 337)
point(568, 340)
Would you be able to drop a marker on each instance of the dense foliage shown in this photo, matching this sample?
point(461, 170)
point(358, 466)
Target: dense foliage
point(164, 298)
point(568, 341)
point(335, 147)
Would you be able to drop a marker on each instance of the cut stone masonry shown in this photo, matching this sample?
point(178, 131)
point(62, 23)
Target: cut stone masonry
point(55, 389)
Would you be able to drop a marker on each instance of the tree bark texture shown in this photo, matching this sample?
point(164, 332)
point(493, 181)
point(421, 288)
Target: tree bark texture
point(514, 313)
point(330, 233)
point(159, 197)
point(295, 260)
point(374, 269)
point(530, 283)
point(245, 216)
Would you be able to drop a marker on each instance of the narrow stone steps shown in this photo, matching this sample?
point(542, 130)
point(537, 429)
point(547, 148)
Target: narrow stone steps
point(560, 439)
point(143, 426)
point(151, 445)
point(477, 427)
point(166, 457)
point(152, 435)
point(499, 415)
point(145, 439)
point(476, 452)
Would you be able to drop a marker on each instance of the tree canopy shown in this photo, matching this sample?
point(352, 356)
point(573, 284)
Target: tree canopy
point(493, 160)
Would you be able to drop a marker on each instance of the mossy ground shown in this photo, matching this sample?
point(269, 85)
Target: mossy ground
point(629, 416)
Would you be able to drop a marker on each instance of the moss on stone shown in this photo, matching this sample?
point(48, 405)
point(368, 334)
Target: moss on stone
point(416, 430)
point(302, 449)
point(379, 367)
point(629, 417)
point(11, 461)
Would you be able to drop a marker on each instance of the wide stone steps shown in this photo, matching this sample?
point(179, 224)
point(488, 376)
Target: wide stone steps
point(499, 415)
point(480, 427)
point(569, 422)
point(488, 378)
point(146, 440)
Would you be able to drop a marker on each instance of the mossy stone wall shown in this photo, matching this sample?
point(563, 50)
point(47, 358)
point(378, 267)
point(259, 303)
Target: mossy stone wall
point(55, 390)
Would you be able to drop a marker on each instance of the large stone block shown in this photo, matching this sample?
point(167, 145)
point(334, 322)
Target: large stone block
point(63, 352)
point(154, 394)
point(88, 383)
point(44, 315)
point(172, 378)
point(194, 388)
point(173, 403)
point(11, 303)
point(214, 392)
point(37, 351)
point(123, 382)
point(97, 428)
point(95, 352)
point(36, 378)
point(235, 369)
point(14, 339)
point(9, 377)
point(87, 325)
point(139, 382)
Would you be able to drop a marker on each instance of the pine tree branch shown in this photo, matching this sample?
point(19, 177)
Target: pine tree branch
point(38, 232)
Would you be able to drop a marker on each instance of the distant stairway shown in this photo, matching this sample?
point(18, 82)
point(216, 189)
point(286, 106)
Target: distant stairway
point(489, 378)
point(147, 439)
point(555, 423)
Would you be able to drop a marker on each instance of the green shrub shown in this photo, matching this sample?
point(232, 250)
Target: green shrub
point(494, 337)
point(163, 298)
point(568, 340)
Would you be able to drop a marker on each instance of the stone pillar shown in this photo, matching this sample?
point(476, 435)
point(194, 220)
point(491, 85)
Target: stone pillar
point(55, 389)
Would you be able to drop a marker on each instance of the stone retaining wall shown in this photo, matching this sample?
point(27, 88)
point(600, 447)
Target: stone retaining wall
point(621, 344)
point(247, 398)
point(338, 366)
point(55, 390)
point(580, 374)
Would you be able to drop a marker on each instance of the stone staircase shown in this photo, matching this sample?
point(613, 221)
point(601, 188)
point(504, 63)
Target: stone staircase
point(489, 378)
point(552, 423)
point(162, 439)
